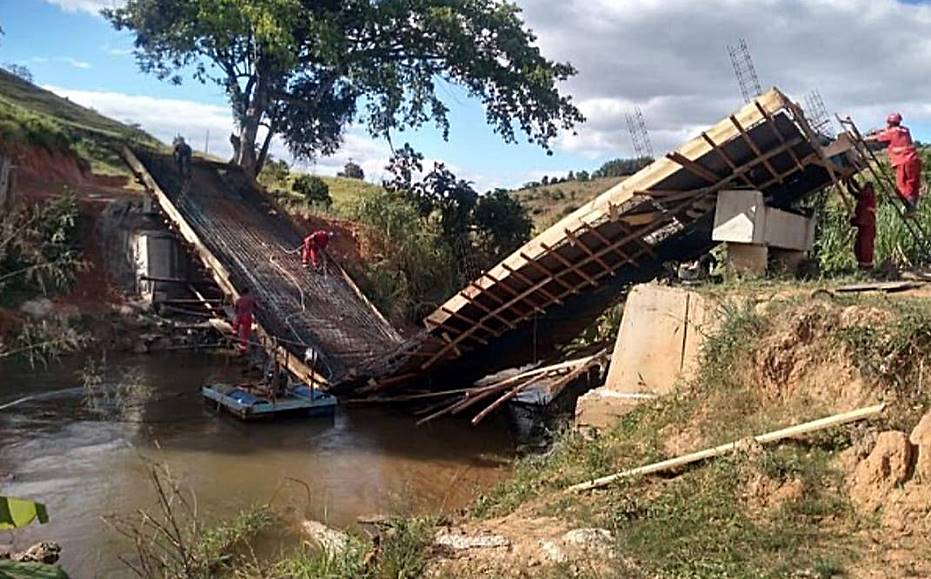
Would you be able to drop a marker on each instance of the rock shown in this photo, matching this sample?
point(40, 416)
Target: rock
point(461, 541)
point(44, 552)
point(39, 308)
point(589, 539)
point(887, 466)
point(552, 552)
point(329, 539)
point(921, 438)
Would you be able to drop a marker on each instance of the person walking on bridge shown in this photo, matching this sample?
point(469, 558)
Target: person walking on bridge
point(313, 247)
point(864, 219)
point(244, 309)
point(904, 157)
point(183, 154)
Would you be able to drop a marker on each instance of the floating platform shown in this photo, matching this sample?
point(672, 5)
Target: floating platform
point(249, 404)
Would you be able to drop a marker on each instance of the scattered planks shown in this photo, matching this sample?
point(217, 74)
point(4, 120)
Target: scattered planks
point(807, 427)
point(507, 388)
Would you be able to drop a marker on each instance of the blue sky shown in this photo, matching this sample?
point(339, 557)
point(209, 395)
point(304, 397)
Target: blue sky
point(644, 53)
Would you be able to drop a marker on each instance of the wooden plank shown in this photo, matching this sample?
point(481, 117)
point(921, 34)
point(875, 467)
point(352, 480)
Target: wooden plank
point(571, 267)
point(775, 436)
point(546, 271)
point(217, 270)
point(753, 146)
point(577, 242)
point(693, 167)
point(528, 281)
point(624, 257)
point(771, 123)
point(727, 160)
point(472, 322)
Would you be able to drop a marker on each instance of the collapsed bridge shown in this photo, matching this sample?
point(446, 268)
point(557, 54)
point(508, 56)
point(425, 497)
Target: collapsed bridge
point(319, 326)
point(537, 298)
point(558, 283)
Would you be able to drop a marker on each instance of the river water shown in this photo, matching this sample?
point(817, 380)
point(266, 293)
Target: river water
point(80, 438)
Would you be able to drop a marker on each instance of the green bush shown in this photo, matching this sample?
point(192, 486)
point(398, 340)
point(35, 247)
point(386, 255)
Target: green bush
point(313, 189)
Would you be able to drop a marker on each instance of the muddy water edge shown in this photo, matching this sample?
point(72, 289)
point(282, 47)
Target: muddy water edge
point(78, 436)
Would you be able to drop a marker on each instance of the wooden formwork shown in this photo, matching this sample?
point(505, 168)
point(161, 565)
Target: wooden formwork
point(767, 145)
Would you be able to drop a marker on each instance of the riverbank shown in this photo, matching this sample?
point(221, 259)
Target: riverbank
point(84, 450)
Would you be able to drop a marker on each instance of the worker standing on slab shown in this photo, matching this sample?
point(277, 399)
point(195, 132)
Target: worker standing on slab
point(864, 219)
point(183, 154)
point(314, 244)
point(904, 157)
point(242, 321)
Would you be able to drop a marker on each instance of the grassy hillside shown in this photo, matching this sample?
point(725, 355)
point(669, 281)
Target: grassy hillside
point(548, 203)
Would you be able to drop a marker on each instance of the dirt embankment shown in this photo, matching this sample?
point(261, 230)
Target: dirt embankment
point(853, 501)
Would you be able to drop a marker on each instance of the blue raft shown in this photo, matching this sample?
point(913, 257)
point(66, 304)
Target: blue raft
point(248, 404)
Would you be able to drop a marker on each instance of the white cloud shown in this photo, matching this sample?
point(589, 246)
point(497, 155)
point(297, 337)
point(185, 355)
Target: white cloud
point(866, 57)
point(70, 60)
point(210, 125)
point(88, 6)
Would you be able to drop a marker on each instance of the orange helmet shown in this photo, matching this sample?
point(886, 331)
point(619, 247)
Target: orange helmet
point(895, 119)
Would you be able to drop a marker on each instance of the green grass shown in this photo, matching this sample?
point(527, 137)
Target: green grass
point(702, 521)
point(549, 203)
point(68, 115)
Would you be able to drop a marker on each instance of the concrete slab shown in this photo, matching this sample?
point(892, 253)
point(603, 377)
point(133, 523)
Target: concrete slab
point(789, 231)
point(739, 217)
point(744, 259)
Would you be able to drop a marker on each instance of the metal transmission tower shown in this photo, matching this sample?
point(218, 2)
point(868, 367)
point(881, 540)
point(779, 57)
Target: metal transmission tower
point(744, 69)
point(818, 114)
point(638, 134)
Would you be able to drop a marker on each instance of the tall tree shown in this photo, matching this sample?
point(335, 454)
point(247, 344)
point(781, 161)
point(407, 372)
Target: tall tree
point(305, 69)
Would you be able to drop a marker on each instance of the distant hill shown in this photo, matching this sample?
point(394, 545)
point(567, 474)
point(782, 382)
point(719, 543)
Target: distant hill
point(549, 203)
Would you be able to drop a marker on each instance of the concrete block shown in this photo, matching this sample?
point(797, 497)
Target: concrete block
point(744, 259)
point(789, 231)
point(786, 260)
point(601, 408)
point(740, 217)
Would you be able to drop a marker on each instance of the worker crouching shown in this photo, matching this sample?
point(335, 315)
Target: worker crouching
point(314, 245)
point(904, 157)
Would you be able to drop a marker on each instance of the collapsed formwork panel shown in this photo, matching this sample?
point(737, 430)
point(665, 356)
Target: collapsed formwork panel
point(319, 325)
point(559, 282)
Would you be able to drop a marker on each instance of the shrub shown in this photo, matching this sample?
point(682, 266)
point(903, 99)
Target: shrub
point(314, 190)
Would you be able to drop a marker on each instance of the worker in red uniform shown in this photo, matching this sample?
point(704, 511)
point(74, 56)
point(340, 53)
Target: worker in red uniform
point(314, 244)
point(904, 157)
point(242, 321)
point(864, 219)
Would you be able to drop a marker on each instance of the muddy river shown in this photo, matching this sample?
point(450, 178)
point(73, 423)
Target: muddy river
point(79, 436)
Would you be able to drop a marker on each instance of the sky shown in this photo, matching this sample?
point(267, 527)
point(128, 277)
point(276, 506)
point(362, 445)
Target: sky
point(668, 57)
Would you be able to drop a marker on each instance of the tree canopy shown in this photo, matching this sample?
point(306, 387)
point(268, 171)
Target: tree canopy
point(305, 69)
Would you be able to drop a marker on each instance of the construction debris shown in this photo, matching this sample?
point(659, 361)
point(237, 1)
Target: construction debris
point(558, 375)
point(798, 430)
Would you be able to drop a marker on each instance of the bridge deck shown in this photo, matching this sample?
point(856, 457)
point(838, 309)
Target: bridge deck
point(244, 240)
point(560, 281)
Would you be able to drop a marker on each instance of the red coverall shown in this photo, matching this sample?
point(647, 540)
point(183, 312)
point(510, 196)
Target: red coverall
point(864, 219)
point(904, 157)
point(313, 245)
point(242, 322)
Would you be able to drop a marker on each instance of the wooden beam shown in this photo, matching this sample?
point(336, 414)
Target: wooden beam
point(756, 150)
point(771, 122)
point(594, 231)
point(576, 241)
point(727, 160)
point(572, 267)
point(546, 271)
point(693, 167)
point(472, 322)
point(516, 273)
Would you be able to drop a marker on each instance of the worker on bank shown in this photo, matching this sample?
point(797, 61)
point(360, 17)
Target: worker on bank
point(904, 157)
point(313, 247)
point(864, 219)
point(244, 310)
point(183, 154)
